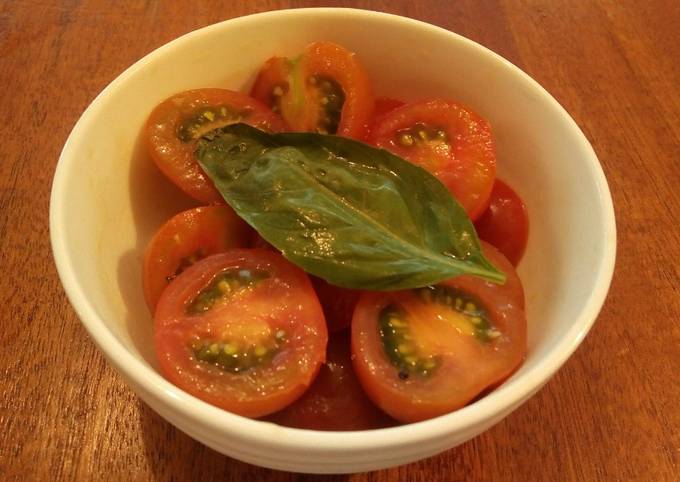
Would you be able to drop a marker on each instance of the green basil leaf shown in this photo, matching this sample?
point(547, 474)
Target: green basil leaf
point(357, 216)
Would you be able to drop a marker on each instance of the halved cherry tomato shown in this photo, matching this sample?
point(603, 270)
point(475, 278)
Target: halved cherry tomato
point(335, 401)
point(184, 239)
point(425, 352)
point(242, 330)
point(338, 303)
point(505, 223)
point(176, 124)
point(447, 139)
point(325, 90)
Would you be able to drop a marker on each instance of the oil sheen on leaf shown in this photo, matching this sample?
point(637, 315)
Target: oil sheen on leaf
point(344, 211)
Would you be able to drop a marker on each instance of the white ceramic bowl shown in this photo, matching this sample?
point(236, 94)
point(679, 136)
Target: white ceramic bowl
point(107, 200)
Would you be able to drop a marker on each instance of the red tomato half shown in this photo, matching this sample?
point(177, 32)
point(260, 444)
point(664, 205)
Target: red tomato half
point(447, 139)
point(335, 401)
point(325, 90)
point(176, 124)
point(242, 330)
point(184, 239)
point(425, 352)
point(505, 223)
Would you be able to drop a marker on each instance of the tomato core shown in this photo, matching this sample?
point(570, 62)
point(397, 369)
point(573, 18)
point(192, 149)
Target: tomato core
point(332, 99)
point(421, 134)
point(223, 287)
point(409, 341)
point(239, 352)
point(207, 119)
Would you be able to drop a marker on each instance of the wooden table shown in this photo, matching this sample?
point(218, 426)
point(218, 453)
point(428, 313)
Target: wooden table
point(612, 412)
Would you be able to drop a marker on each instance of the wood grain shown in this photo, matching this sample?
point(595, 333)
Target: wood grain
point(611, 413)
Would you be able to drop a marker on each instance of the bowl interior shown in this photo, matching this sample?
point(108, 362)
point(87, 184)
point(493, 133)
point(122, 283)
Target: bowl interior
point(108, 198)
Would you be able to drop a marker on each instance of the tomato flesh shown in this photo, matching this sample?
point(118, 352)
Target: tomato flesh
point(447, 139)
point(186, 238)
point(505, 223)
point(242, 330)
point(423, 353)
point(338, 303)
point(175, 125)
point(335, 401)
point(325, 90)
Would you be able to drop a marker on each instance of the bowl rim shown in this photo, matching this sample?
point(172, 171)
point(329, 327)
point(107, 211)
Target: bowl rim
point(507, 397)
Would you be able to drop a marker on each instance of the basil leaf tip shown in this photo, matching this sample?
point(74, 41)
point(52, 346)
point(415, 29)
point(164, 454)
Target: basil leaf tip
point(354, 215)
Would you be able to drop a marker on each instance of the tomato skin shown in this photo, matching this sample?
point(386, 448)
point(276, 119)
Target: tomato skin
point(335, 401)
point(204, 230)
point(300, 102)
point(257, 241)
point(383, 105)
point(505, 223)
point(174, 157)
point(338, 303)
point(465, 163)
point(284, 301)
point(512, 289)
point(468, 367)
